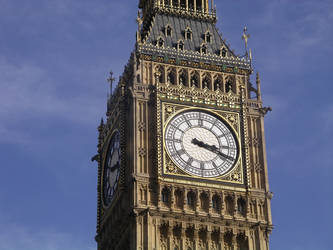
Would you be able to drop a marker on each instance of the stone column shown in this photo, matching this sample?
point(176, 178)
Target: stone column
point(221, 238)
point(172, 198)
point(196, 237)
point(209, 202)
point(209, 237)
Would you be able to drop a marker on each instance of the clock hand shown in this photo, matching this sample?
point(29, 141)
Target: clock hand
point(211, 148)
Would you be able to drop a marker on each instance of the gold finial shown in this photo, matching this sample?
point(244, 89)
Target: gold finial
point(245, 37)
point(111, 79)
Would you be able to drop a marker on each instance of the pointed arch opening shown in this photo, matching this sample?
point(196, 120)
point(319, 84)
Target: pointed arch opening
point(188, 33)
point(206, 82)
point(203, 49)
point(160, 42)
point(180, 45)
point(183, 78)
point(208, 36)
point(166, 196)
point(179, 198)
point(171, 77)
point(223, 52)
point(218, 83)
point(229, 203)
point(195, 80)
point(241, 206)
point(168, 30)
point(216, 203)
point(204, 202)
point(191, 200)
point(230, 85)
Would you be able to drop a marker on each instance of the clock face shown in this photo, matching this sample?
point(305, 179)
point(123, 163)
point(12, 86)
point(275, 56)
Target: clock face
point(111, 169)
point(201, 144)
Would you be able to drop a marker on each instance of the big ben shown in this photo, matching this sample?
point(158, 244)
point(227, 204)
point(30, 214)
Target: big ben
point(182, 156)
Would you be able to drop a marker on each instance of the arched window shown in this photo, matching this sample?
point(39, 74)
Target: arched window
point(180, 45)
point(194, 81)
point(204, 202)
point(182, 79)
point(229, 86)
point(161, 72)
point(179, 198)
point(229, 202)
point(165, 196)
point(168, 30)
point(216, 202)
point(188, 33)
point(160, 42)
point(206, 83)
point(208, 37)
point(203, 49)
point(217, 84)
point(191, 199)
point(241, 206)
point(223, 52)
point(171, 79)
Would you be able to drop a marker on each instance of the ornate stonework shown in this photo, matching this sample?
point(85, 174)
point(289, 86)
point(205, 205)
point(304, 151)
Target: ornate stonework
point(157, 205)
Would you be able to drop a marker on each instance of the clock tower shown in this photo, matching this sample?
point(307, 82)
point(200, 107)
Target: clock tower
point(182, 156)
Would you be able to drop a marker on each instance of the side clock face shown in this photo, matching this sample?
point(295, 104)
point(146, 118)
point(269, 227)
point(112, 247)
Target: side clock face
point(201, 144)
point(111, 169)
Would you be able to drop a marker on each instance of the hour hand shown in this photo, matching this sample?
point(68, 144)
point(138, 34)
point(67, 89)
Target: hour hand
point(211, 148)
point(201, 144)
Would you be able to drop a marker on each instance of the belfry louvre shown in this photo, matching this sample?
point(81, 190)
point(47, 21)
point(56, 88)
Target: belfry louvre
point(182, 155)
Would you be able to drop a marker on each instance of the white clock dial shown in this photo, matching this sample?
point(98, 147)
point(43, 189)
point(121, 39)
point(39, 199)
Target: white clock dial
point(201, 144)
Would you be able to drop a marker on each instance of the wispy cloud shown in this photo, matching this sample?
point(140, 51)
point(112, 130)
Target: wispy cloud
point(295, 35)
point(16, 237)
point(28, 92)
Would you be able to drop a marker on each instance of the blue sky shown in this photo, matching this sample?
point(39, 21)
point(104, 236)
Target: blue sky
point(54, 61)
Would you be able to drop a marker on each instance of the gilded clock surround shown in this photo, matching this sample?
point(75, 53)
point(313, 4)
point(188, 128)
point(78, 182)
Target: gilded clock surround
point(170, 169)
point(157, 206)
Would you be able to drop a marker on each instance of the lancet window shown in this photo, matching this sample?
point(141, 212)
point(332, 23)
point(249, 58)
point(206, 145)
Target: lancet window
point(182, 78)
point(188, 33)
point(180, 45)
point(191, 199)
point(160, 42)
point(204, 202)
point(208, 37)
point(168, 30)
point(218, 84)
point(165, 196)
point(223, 52)
point(229, 205)
point(203, 49)
point(241, 206)
point(216, 203)
point(195, 81)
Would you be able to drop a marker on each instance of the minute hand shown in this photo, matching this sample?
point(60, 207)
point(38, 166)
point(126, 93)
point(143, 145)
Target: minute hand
point(211, 148)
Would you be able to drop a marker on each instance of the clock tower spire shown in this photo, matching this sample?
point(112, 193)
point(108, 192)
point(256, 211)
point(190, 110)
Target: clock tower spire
point(182, 156)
